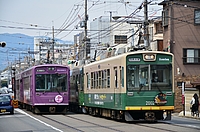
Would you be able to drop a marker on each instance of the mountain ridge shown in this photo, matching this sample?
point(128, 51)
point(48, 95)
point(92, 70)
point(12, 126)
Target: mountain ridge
point(18, 45)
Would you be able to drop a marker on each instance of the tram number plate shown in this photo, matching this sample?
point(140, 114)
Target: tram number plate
point(149, 102)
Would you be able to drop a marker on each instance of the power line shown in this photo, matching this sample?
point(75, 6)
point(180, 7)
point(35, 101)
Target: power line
point(112, 27)
point(34, 25)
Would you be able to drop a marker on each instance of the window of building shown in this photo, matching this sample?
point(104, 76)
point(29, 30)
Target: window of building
point(159, 28)
point(197, 16)
point(151, 34)
point(120, 39)
point(165, 17)
point(191, 56)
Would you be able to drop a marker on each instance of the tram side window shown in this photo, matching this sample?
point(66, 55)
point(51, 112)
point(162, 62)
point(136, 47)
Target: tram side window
point(116, 77)
point(102, 79)
point(122, 77)
point(143, 74)
point(92, 80)
point(39, 82)
point(96, 78)
point(81, 82)
point(108, 78)
point(133, 77)
point(26, 83)
point(105, 78)
point(130, 77)
point(99, 79)
point(88, 80)
point(62, 82)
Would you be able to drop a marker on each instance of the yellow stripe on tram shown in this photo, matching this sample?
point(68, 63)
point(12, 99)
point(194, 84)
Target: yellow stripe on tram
point(149, 108)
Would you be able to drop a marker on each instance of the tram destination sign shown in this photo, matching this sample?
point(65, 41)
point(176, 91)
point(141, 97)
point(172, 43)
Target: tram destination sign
point(134, 59)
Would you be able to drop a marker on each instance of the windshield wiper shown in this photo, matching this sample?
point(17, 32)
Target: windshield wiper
point(58, 90)
point(158, 88)
point(141, 86)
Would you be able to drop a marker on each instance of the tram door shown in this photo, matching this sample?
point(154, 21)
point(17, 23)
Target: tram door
point(117, 89)
point(21, 90)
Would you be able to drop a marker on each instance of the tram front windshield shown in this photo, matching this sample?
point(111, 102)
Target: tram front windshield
point(149, 77)
point(51, 82)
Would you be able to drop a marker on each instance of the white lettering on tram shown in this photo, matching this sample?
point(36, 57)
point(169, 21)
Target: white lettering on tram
point(61, 69)
point(163, 59)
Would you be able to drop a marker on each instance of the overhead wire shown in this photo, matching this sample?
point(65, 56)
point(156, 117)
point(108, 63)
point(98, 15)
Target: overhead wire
point(33, 25)
point(112, 27)
point(76, 19)
point(67, 23)
point(71, 30)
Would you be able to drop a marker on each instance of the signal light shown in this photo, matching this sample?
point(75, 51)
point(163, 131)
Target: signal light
point(2, 44)
point(71, 61)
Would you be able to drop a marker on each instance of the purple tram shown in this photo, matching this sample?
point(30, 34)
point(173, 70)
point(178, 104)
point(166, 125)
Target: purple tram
point(44, 88)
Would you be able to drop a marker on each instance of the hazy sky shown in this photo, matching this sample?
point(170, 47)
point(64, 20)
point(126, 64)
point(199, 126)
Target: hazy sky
point(21, 16)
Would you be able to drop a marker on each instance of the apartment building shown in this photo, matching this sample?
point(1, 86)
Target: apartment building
point(181, 36)
point(46, 51)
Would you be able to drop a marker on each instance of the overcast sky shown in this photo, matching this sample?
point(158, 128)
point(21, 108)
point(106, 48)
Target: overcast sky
point(36, 17)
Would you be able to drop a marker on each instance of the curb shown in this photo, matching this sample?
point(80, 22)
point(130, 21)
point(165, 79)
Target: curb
point(187, 115)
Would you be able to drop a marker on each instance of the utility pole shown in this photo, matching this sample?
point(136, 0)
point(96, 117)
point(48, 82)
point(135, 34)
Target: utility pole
point(10, 78)
point(40, 44)
point(29, 63)
point(110, 14)
point(85, 29)
point(8, 70)
point(13, 82)
point(146, 33)
point(86, 47)
point(19, 63)
point(53, 44)
point(86, 18)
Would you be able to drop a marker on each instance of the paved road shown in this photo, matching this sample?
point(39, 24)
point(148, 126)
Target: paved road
point(29, 122)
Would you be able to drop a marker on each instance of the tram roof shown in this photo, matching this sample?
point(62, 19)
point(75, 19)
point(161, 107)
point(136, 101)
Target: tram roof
point(125, 54)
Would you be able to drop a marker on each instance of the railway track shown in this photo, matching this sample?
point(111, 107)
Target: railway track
point(64, 124)
point(122, 126)
point(89, 123)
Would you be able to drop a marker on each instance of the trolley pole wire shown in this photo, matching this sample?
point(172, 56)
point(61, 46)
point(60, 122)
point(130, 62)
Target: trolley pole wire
point(146, 33)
